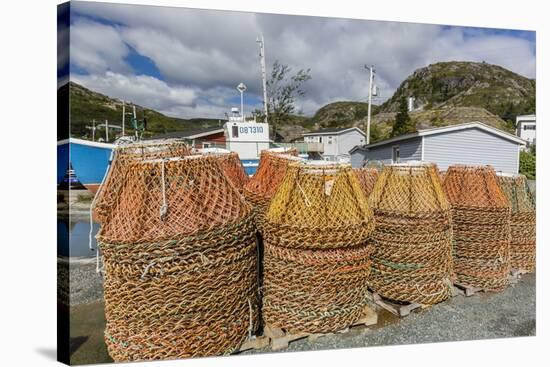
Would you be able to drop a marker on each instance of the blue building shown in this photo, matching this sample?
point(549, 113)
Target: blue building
point(472, 143)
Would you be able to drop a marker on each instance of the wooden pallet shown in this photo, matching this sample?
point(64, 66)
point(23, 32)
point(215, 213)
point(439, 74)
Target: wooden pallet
point(280, 338)
point(256, 342)
point(397, 309)
point(467, 290)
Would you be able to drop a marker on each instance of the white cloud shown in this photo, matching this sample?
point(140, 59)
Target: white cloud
point(141, 89)
point(212, 51)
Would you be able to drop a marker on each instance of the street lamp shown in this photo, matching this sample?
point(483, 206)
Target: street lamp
point(241, 88)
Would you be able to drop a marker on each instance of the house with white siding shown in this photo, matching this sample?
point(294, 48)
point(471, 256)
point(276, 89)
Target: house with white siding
point(472, 143)
point(526, 126)
point(335, 144)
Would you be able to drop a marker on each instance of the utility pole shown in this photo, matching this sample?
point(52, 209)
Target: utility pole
point(106, 131)
point(371, 77)
point(261, 43)
point(241, 88)
point(123, 116)
point(93, 130)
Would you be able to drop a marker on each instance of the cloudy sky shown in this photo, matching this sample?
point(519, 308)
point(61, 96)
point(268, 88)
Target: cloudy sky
point(187, 62)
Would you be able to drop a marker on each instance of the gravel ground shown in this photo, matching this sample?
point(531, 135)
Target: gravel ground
point(482, 316)
point(86, 285)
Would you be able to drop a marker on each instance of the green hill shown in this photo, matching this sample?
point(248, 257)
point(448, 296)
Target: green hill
point(87, 105)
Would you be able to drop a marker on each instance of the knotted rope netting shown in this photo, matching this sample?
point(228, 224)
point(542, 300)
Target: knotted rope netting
point(271, 171)
point(412, 256)
point(316, 260)
point(179, 255)
point(481, 227)
point(231, 165)
point(367, 177)
point(522, 221)
point(122, 156)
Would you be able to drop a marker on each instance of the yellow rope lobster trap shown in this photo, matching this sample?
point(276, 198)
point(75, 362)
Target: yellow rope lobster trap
point(481, 227)
point(179, 256)
point(522, 222)
point(316, 259)
point(412, 256)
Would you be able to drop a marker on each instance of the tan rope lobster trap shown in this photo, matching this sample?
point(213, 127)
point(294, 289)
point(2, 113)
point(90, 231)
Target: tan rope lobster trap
point(316, 259)
point(412, 255)
point(522, 221)
point(271, 171)
point(123, 155)
point(481, 227)
point(367, 177)
point(179, 257)
point(231, 165)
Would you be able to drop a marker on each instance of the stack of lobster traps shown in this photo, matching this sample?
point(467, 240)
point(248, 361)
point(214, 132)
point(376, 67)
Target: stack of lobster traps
point(412, 256)
point(179, 256)
point(367, 177)
point(481, 227)
point(317, 256)
point(522, 222)
point(230, 164)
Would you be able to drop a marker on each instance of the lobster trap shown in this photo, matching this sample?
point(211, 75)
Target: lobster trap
point(271, 171)
point(412, 255)
point(316, 259)
point(123, 155)
point(231, 165)
point(367, 177)
point(179, 256)
point(522, 222)
point(481, 227)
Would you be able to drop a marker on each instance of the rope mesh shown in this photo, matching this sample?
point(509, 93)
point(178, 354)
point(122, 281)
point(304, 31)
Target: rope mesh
point(522, 222)
point(178, 284)
point(481, 227)
point(316, 259)
point(412, 256)
point(233, 168)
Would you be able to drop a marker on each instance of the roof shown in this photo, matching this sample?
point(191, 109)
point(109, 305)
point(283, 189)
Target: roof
point(445, 129)
point(190, 134)
point(335, 131)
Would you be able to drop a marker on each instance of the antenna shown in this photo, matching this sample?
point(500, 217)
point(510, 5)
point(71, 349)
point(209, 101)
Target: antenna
point(261, 43)
point(371, 77)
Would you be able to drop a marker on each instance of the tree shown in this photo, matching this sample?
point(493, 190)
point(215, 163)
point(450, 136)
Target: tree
point(527, 165)
point(403, 123)
point(282, 91)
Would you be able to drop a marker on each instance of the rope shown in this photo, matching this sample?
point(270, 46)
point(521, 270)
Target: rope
point(250, 320)
point(164, 207)
point(98, 270)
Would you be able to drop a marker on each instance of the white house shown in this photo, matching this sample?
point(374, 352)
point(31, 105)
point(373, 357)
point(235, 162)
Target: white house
point(335, 144)
point(526, 128)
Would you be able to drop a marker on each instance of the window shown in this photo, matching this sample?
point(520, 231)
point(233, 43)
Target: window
point(330, 139)
point(234, 131)
point(529, 127)
point(395, 154)
point(206, 145)
point(320, 139)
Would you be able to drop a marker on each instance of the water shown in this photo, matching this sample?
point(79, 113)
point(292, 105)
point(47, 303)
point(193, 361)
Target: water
point(72, 237)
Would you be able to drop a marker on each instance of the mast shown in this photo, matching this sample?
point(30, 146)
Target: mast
point(123, 116)
point(261, 43)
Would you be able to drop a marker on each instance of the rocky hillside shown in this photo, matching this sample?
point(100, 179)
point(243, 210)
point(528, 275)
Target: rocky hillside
point(467, 84)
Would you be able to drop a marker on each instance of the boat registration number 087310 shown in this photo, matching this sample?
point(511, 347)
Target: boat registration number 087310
point(251, 129)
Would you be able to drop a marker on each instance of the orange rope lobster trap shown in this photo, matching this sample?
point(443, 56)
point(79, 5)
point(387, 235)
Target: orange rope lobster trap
point(231, 165)
point(367, 177)
point(271, 171)
point(481, 227)
point(412, 256)
point(522, 222)
point(179, 258)
point(316, 259)
point(123, 155)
